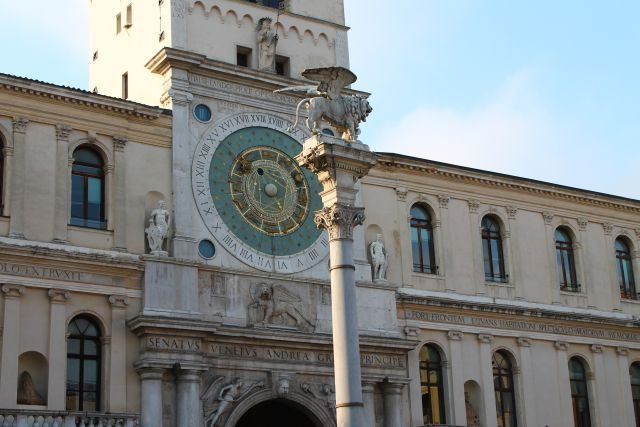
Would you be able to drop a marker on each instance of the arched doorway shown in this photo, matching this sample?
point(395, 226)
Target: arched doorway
point(278, 413)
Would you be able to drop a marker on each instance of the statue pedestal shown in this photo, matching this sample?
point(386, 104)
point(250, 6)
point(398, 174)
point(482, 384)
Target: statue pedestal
point(338, 165)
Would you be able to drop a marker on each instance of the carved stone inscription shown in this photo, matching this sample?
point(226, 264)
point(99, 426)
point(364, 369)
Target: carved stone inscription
point(271, 354)
point(241, 90)
point(42, 272)
point(522, 325)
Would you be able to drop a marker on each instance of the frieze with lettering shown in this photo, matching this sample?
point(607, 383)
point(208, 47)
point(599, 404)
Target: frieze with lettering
point(41, 272)
point(242, 90)
point(173, 343)
point(521, 325)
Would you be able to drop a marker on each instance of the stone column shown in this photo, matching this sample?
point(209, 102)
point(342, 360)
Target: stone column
point(151, 397)
point(118, 357)
point(392, 393)
point(10, 346)
point(564, 384)
point(527, 386)
point(119, 200)
point(16, 223)
point(183, 242)
point(61, 203)
point(486, 373)
point(188, 395)
point(625, 408)
point(338, 165)
point(456, 393)
point(57, 348)
point(368, 388)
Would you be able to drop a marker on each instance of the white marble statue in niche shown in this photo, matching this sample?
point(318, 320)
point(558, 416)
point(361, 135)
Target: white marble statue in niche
point(267, 40)
point(276, 305)
point(218, 399)
point(379, 259)
point(158, 228)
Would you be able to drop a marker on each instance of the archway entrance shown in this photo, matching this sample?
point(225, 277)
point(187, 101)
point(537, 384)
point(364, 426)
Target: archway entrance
point(278, 413)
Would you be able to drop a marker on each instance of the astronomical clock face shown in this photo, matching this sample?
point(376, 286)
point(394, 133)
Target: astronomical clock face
point(254, 198)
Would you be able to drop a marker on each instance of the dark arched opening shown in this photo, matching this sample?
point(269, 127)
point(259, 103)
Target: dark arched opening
point(278, 413)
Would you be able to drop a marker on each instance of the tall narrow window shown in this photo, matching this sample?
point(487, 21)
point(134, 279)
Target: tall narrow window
point(422, 240)
point(431, 385)
point(504, 390)
point(125, 86)
point(118, 23)
point(579, 393)
point(492, 250)
point(87, 189)
point(83, 365)
point(129, 16)
point(624, 270)
point(565, 261)
point(634, 371)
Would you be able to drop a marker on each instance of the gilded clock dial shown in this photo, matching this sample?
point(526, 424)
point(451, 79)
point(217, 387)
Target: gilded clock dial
point(269, 190)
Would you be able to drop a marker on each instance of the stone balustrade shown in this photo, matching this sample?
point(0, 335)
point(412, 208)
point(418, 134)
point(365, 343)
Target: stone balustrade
point(33, 418)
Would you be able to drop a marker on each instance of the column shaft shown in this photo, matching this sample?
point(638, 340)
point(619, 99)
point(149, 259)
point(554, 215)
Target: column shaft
point(602, 396)
point(564, 384)
point(456, 396)
point(118, 360)
point(392, 404)
point(526, 377)
point(188, 394)
point(151, 399)
point(627, 413)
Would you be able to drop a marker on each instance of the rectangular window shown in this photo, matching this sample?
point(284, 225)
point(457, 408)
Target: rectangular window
point(129, 16)
point(125, 86)
point(282, 65)
point(118, 23)
point(243, 56)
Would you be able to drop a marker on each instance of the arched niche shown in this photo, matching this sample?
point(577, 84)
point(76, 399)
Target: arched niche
point(473, 403)
point(33, 379)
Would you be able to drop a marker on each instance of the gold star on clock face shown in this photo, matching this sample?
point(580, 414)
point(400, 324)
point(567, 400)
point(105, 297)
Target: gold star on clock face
point(269, 190)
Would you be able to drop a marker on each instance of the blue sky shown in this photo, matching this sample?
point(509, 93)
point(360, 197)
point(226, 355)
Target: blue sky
point(540, 89)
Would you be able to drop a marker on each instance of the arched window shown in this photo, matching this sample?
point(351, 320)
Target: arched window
point(634, 371)
point(431, 385)
point(83, 365)
point(504, 390)
point(579, 393)
point(87, 189)
point(624, 270)
point(492, 250)
point(565, 261)
point(422, 240)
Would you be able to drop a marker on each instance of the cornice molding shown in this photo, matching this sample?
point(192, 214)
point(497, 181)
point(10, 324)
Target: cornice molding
point(486, 178)
point(78, 97)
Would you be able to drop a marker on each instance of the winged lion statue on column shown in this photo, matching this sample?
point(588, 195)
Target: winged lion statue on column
point(325, 101)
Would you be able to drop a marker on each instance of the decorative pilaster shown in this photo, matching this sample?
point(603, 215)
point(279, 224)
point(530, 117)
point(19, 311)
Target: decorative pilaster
point(118, 360)
point(368, 388)
point(526, 376)
point(10, 345)
point(183, 243)
point(458, 409)
point(486, 369)
point(600, 385)
point(62, 174)
point(119, 191)
point(564, 384)
point(625, 406)
point(7, 152)
point(338, 165)
point(57, 347)
point(16, 224)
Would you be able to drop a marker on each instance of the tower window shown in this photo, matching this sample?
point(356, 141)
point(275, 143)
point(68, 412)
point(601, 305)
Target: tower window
point(129, 16)
point(243, 56)
point(118, 23)
point(125, 86)
point(95, 55)
point(282, 65)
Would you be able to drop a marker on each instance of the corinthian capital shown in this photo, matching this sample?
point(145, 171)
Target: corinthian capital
point(339, 220)
point(20, 124)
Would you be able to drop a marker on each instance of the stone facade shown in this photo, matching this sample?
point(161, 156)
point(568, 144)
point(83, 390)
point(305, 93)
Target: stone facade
point(209, 328)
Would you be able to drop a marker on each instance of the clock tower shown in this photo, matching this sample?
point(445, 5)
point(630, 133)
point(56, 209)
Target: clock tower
point(238, 309)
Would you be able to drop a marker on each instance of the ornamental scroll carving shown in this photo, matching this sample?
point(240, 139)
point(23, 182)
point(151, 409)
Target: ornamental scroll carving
point(339, 220)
